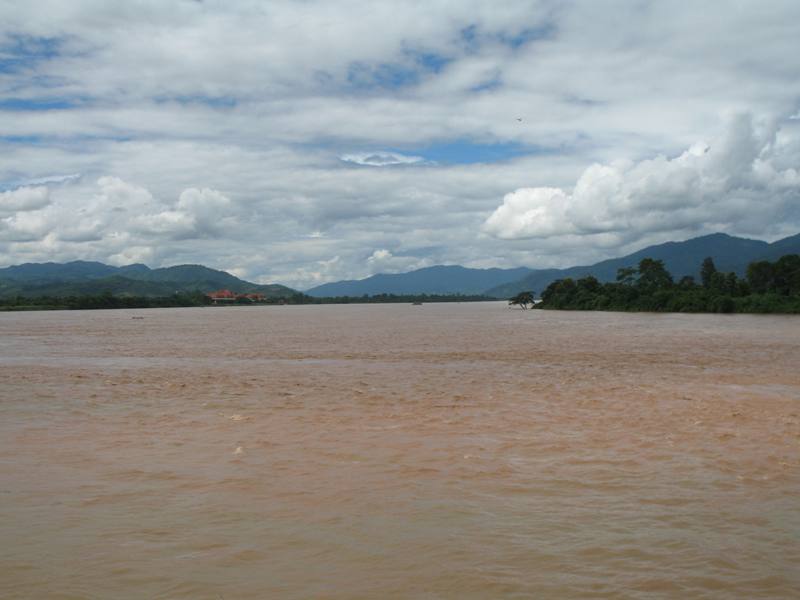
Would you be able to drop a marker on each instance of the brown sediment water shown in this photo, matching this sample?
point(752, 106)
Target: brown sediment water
point(397, 451)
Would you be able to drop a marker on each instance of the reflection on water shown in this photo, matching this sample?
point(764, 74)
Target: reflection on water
point(448, 451)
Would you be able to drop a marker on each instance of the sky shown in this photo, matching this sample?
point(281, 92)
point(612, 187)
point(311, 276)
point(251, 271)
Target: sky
point(302, 142)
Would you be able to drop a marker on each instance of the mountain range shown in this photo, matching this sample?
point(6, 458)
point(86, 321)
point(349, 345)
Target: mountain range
point(680, 258)
point(83, 277)
point(450, 279)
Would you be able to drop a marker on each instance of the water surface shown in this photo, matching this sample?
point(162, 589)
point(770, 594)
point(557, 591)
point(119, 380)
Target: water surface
point(392, 451)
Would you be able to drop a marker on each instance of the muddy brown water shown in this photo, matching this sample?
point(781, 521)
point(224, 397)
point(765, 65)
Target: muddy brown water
point(397, 451)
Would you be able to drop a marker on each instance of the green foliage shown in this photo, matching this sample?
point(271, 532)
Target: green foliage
point(91, 279)
point(769, 288)
point(109, 300)
point(396, 299)
point(781, 277)
point(786, 278)
point(653, 275)
point(522, 299)
point(707, 270)
point(101, 301)
point(626, 275)
point(760, 276)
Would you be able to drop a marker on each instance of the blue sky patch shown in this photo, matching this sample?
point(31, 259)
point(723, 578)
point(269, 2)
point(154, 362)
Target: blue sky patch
point(469, 38)
point(429, 61)
point(396, 75)
point(528, 35)
point(466, 152)
point(211, 101)
point(39, 104)
point(25, 51)
point(489, 85)
point(22, 139)
point(363, 76)
point(455, 152)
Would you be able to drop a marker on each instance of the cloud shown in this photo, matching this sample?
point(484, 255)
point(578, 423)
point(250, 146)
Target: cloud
point(735, 183)
point(530, 212)
point(383, 261)
point(50, 179)
point(24, 199)
point(114, 221)
point(199, 213)
point(23, 227)
point(379, 256)
point(270, 138)
point(381, 159)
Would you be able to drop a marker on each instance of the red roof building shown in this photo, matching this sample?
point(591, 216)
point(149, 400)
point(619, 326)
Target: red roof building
point(222, 296)
point(225, 296)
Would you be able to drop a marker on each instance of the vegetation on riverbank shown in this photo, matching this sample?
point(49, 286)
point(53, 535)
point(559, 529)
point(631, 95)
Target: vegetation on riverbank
point(107, 300)
point(399, 299)
point(769, 287)
point(100, 301)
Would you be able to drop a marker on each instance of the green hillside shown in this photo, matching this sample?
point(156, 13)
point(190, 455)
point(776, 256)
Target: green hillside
point(87, 278)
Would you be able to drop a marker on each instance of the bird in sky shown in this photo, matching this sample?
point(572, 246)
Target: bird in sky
point(519, 119)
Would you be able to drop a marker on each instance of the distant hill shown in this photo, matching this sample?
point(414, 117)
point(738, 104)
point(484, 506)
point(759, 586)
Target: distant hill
point(50, 271)
point(680, 258)
point(789, 245)
point(85, 277)
point(430, 280)
point(82, 277)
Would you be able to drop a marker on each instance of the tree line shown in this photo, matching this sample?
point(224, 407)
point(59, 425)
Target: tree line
point(768, 287)
point(397, 299)
point(107, 300)
point(103, 300)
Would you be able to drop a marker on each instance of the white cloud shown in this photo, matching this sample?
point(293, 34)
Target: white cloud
point(24, 199)
point(120, 195)
point(49, 179)
point(531, 212)
point(383, 261)
point(381, 159)
point(217, 128)
point(114, 221)
point(23, 227)
point(735, 183)
point(133, 255)
point(379, 256)
point(197, 214)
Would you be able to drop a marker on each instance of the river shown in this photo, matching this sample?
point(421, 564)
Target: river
point(393, 451)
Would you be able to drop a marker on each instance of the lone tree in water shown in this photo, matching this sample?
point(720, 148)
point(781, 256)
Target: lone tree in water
point(522, 299)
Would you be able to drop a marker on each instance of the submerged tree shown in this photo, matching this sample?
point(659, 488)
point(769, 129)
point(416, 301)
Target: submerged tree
point(522, 299)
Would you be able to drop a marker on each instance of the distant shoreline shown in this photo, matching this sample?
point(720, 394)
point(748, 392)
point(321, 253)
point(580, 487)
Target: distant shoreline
point(108, 301)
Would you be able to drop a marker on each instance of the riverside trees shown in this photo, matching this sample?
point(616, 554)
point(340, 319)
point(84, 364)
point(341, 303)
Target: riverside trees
point(768, 287)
